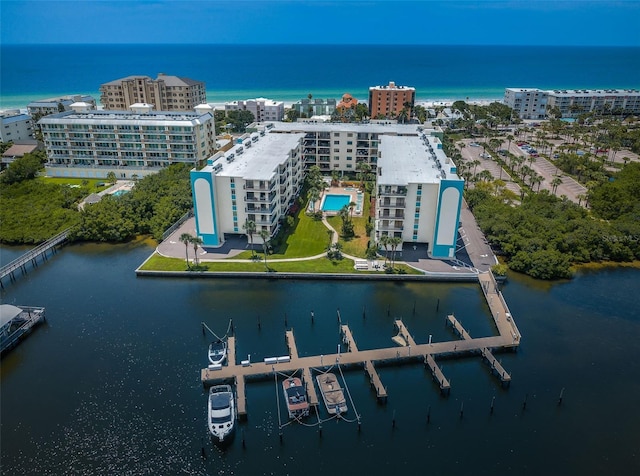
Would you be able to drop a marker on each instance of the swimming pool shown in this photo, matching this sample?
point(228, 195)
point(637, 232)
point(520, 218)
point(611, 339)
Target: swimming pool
point(119, 193)
point(334, 203)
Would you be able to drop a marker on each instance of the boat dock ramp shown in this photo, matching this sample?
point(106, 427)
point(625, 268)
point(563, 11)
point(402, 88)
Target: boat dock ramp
point(351, 355)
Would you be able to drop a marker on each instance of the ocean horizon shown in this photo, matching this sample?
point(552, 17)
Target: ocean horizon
point(290, 72)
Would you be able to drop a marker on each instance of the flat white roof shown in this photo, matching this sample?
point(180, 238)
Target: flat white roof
point(405, 160)
point(152, 118)
point(261, 160)
point(375, 128)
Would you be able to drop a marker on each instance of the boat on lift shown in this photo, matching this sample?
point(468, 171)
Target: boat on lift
point(296, 398)
point(218, 352)
point(332, 393)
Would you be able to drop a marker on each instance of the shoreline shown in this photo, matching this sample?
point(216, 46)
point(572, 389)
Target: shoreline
point(218, 100)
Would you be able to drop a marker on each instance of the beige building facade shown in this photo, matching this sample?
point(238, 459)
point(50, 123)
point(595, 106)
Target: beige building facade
point(165, 93)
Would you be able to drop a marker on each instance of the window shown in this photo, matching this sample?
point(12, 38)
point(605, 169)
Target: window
point(336, 142)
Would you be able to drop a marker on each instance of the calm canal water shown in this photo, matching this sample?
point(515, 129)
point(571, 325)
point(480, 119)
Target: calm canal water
point(110, 384)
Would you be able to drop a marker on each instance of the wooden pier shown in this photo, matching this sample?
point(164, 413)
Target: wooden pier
point(374, 378)
point(508, 338)
point(445, 386)
point(458, 327)
point(496, 366)
point(32, 256)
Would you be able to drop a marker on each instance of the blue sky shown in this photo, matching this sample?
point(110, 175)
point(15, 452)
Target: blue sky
point(484, 22)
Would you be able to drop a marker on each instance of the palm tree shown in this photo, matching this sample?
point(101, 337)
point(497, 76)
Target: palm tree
point(186, 239)
point(250, 227)
point(195, 241)
point(384, 242)
point(395, 242)
point(352, 206)
point(264, 234)
point(554, 184)
point(314, 195)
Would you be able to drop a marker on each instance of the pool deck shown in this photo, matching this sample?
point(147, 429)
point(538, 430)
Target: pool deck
point(352, 192)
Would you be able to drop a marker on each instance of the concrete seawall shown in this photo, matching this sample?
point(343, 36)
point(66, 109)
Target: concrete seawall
point(439, 277)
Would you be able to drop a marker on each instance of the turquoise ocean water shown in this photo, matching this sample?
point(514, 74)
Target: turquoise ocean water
point(290, 72)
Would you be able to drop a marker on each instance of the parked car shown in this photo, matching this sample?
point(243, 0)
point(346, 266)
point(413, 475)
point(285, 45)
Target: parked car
point(485, 156)
point(502, 151)
point(474, 144)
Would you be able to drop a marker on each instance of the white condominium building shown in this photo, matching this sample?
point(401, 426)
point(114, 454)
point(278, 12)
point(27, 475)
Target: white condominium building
point(165, 93)
point(89, 143)
point(44, 107)
point(419, 193)
point(257, 180)
point(574, 102)
point(261, 108)
point(527, 103)
point(532, 103)
point(15, 126)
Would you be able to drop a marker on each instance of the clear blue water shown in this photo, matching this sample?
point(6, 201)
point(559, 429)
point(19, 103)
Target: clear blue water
point(274, 71)
point(118, 193)
point(334, 203)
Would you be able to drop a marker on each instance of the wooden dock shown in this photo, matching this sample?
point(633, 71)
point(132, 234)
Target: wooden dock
point(32, 256)
point(403, 333)
point(496, 366)
point(458, 327)
point(374, 378)
point(508, 338)
point(445, 385)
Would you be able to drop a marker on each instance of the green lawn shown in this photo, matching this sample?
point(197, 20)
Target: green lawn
point(308, 238)
point(357, 245)
point(90, 183)
point(320, 265)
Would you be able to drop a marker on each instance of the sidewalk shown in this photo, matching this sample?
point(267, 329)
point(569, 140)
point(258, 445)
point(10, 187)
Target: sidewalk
point(172, 247)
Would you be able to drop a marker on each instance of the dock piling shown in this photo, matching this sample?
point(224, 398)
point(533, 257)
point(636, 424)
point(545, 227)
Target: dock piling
point(524, 404)
point(429, 414)
point(461, 410)
point(259, 325)
point(561, 393)
point(493, 399)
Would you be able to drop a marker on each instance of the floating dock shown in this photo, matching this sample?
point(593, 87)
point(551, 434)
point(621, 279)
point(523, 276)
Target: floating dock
point(508, 338)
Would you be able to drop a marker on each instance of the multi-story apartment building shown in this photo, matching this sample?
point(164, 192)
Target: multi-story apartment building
point(257, 180)
point(44, 107)
point(315, 107)
point(574, 102)
point(261, 108)
point(15, 126)
point(419, 192)
point(342, 146)
point(527, 103)
point(89, 143)
point(388, 101)
point(532, 103)
point(165, 93)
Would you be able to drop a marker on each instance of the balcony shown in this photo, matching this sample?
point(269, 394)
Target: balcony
point(393, 226)
point(398, 215)
point(389, 191)
point(388, 203)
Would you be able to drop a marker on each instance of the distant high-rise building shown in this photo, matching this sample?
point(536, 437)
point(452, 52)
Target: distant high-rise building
point(388, 101)
point(15, 126)
point(261, 108)
point(44, 107)
point(532, 103)
point(165, 93)
point(315, 107)
point(87, 143)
